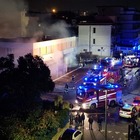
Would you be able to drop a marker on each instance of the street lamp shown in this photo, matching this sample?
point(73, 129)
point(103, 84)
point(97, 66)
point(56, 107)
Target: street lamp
point(105, 114)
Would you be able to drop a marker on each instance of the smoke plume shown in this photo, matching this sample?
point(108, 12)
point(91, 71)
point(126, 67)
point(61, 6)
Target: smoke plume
point(9, 17)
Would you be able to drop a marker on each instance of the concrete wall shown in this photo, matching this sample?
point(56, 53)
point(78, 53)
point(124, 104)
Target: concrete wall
point(16, 48)
point(102, 38)
point(58, 54)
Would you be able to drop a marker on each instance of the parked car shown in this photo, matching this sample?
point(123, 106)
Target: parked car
point(136, 102)
point(128, 111)
point(71, 134)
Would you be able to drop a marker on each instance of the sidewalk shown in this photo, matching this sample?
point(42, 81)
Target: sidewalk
point(94, 134)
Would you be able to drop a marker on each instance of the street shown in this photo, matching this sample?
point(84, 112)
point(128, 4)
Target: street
point(117, 128)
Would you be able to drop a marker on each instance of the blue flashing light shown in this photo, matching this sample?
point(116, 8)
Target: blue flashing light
point(85, 89)
point(94, 84)
point(134, 48)
point(116, 86)
point(80, 87)
point(127, 106)
point(95, 79)
point(86, 79)
point(95, 67)
point(139, 47)
point(84, 83)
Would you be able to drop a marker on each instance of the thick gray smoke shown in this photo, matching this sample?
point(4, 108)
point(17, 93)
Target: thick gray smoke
point(58, 29)
point(9, 13)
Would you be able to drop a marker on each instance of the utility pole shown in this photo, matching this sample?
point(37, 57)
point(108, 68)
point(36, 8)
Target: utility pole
point(105, 114)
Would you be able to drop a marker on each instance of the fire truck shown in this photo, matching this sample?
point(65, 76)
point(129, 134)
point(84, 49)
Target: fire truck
point(112, 75)
point(94, 80)
point(91, 97)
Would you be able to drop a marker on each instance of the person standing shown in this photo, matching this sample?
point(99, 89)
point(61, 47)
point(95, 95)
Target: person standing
point(66, 88)
point(83, 118)
point(90, 120)
point(71, 118)
point(76, 122)
point(100, 123)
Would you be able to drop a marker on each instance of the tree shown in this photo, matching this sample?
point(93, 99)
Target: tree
point(24, 83)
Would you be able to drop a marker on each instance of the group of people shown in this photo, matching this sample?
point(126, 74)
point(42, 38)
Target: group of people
point(79, 119)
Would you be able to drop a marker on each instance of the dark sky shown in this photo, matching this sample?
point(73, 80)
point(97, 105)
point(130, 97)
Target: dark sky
point(79, 4)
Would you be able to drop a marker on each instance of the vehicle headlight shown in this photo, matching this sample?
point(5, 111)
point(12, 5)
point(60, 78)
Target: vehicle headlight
point(83, 105)
point(76, 101)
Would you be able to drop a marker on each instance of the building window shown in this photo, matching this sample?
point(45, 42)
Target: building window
point(93, 41)
point(94, 30)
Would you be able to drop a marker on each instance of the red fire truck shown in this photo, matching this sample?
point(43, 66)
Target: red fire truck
point(94, 80)
point(112, 75)
point(91, 97)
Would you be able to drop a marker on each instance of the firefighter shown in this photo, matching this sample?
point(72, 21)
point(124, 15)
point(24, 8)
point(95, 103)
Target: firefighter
point(66, 88)
point(73, 78)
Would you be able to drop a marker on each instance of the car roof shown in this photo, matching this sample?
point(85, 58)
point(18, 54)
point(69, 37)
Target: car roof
point(68, 133)
point(128, 106)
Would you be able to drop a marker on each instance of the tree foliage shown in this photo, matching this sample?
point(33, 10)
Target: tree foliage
point(22, 115)
point(24, 83)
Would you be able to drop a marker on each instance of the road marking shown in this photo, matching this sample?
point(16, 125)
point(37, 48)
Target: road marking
point(125, 134)
point(117, 132)
point(65, 74)
point(109, 131)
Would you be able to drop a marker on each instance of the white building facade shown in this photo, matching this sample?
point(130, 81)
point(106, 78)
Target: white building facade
point(58, 54)
point(95, 39)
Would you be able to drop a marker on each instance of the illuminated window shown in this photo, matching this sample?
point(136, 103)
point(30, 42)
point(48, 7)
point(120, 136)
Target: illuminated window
point(36, 51)
point(43, 50)
point(94, 30)
point(94, 41)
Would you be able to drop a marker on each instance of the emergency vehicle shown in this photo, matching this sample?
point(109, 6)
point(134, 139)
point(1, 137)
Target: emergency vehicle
point(94, 80)
point(112, 75)
point(128, 111)
point(136, 102)
point(96, 69)
point(131, 61)
point(91, 96)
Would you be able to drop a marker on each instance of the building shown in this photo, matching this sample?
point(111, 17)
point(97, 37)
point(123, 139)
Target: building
point(126, 28)
point(58, 54)
point(13, 24)
point(95, 38)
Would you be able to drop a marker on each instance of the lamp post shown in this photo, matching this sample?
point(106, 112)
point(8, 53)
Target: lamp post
point(105, 114)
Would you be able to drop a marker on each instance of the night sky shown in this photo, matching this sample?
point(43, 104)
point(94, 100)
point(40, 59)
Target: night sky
point(61, 5)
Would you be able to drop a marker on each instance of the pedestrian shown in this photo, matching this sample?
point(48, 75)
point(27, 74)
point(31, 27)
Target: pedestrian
point(80, 120)
point(100, 123)
point(83, 118)
point(73, 78)
point(66, 88)
point(76, 122)
point(71, 118)
point(90, 120)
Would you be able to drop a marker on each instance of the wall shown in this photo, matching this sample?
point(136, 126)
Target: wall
point(102, 37)
point(58, 54)
point(16, 48)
